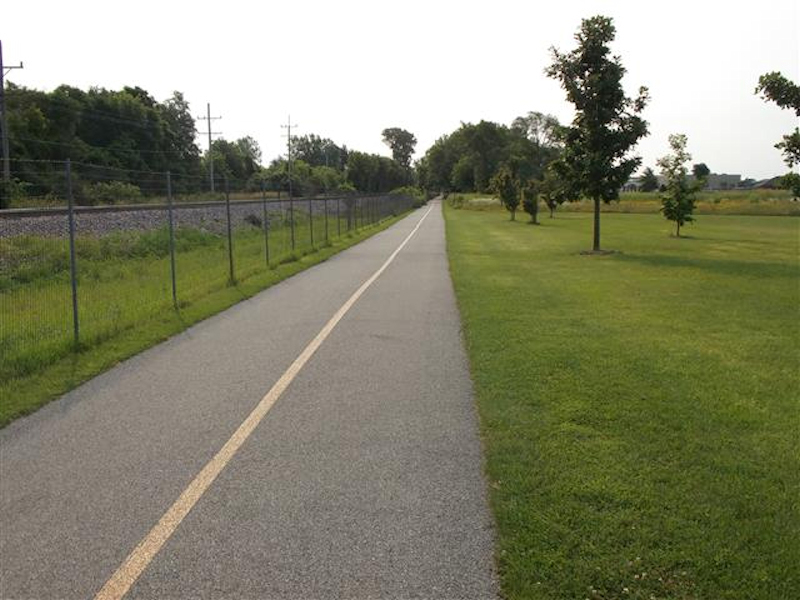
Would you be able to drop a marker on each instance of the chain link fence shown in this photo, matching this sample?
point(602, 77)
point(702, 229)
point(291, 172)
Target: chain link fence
point(72, 275)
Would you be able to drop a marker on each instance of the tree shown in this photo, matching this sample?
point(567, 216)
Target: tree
point(402, 143)
point(774, 86)
point(530, 200)
point(375, 174)
point(649, 181)
point(553, 191)
point(791, 181)
point(543, 130)
point(319, 152)
point(506, 187)
point(701, 171)
point(606, 124)
point(677, 203)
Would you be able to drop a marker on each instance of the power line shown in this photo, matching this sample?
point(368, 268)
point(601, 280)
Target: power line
point(209, 118)
point(288, 128)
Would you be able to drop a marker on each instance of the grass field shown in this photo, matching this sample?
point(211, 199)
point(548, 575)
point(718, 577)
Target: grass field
point(125, 296)
point(640, 411)
point(733, 202)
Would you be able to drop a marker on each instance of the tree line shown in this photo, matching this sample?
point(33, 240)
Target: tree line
point(124, 136)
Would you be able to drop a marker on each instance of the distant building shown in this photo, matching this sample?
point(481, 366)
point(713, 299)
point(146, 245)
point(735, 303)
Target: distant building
point(715, 181)
point(634, 184)
point(722, 181)
point(774, 183)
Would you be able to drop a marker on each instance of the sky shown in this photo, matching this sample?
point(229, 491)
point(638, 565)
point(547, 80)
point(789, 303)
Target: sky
point(348, 69)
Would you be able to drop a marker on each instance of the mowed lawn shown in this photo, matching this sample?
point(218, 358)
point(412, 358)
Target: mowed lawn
point(640, 411)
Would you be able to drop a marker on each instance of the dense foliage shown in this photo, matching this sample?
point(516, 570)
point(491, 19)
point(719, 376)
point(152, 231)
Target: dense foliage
point(467, 159)
point(120, 144)
point(126, 129)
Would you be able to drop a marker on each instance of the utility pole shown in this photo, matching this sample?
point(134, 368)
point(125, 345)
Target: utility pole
point(288, 128)
point(3, 120)
point(209, 118)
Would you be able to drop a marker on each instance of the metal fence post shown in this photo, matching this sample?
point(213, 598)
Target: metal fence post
point(265, 223)
point(291, 210)
point(171, 240)
point(338, 220)
point(325, 201)
point(311, 220)
point(230, 235)
point(73, 267)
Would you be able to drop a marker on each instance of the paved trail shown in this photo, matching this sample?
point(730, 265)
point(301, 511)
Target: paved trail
point(363, 480)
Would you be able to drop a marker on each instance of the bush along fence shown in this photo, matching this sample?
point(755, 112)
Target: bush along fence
point(72, 275)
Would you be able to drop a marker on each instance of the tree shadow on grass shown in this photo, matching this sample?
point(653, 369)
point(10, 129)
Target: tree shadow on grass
point(765, 270)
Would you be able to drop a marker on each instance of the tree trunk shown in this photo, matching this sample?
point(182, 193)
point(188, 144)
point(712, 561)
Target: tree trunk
point(513, 215)
point(596, 241)
point(552, 211)
point(536, 211)
point(678, 230)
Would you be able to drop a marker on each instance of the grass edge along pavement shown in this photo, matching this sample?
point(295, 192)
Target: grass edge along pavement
point(24, 395)
point(638, 411)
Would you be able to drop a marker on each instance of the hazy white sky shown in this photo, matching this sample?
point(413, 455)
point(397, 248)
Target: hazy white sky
point(347, 69)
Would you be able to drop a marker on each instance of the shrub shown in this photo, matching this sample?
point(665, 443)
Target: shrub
point(414, 192)
point(111, 192)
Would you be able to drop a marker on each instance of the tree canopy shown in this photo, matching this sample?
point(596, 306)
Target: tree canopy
point(467, 159)
point(402, 143)
point(786, 94)
point(606, 124)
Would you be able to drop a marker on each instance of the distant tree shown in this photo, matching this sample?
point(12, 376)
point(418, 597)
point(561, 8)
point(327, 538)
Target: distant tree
point(530, 199)
point(506, 187)
point(677, 203)
point(649, 181)
point(319, 152)
point(375, 174)
point(700, 171)
point(553, 191)
point(543, 130)
point(251, 154)
point(402, 143)
point(606, 124)
point(774, 86)
point(180, 134)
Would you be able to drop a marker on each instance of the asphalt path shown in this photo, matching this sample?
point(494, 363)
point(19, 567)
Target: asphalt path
point(364, 480)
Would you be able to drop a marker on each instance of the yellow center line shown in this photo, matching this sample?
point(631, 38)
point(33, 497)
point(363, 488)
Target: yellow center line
point(141, 556)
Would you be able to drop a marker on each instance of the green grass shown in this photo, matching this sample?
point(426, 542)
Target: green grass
point(733, 202)
point(640, 411)
point(125, 297)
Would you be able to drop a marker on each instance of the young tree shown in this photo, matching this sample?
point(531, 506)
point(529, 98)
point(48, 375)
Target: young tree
point(677, 203)
point(505, 186)
point(606, 124)
point(530, 200)
point(553, 191)
point(649, 181)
